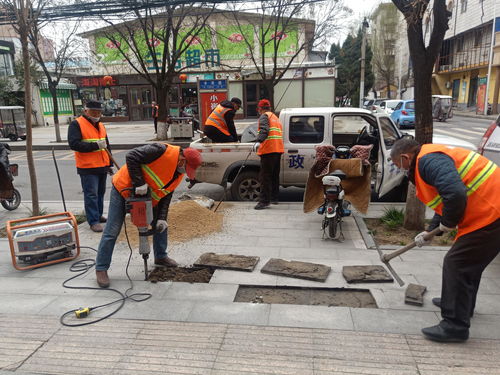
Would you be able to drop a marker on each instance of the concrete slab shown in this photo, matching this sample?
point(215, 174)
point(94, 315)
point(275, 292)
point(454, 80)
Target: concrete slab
point(300, 270)
point(311, 317)
point(201, 292)
point(232, 313)
point(227, 262)
point(24, 303)
point(364, 274)
point(392, 321)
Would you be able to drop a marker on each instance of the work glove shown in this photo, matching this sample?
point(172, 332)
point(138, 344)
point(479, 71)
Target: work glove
point(444, 228)
point(141, 190)
point(420, 240)
point(255, 146)
point(102, 144)
point(161, 226)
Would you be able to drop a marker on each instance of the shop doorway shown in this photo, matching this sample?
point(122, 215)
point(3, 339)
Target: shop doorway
point(140, 103)
point(253, 93)
point(471, 102)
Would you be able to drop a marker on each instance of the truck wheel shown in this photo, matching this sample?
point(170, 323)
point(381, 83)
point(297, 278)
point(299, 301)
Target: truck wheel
point(246, 186)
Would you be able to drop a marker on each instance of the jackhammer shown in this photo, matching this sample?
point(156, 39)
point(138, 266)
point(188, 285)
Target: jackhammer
point(140, 208)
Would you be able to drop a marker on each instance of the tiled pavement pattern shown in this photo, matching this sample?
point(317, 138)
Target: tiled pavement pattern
point(33, 344)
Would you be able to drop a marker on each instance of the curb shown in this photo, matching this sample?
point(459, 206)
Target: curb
point(370, 241)
point(115, 146)
point(473, 115)
point(365, 233)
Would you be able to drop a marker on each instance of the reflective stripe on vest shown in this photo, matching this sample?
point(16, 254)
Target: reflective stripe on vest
point(157, 175)
point(481, 178)
point(217, 120)
point(96, 158)
point(274, 141)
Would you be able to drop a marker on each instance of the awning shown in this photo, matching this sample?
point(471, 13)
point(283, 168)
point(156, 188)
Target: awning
point(60, 86)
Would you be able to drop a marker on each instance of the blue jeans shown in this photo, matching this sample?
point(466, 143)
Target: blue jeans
point(94, 187)
point(116, 216)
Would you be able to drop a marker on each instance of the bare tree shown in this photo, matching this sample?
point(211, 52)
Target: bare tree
point(385, 21)
point(153, 42)
point(423, 56)
point(24, 16)
point(63, 50)
point(275, 40)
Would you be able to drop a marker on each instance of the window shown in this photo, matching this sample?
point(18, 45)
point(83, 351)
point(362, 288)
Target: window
point(463, 6)
point(6, 65)
point(410, 105)
point(388, 131)
point(349, 124)
point(400, 104)
point(307, 129)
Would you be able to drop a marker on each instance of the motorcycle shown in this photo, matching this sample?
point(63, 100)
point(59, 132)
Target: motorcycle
point(15, 200)
point(335, 207)
point(10, 198)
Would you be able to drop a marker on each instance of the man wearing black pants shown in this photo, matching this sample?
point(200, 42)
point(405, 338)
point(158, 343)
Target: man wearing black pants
point(269, 147)
point(462, 187)
point(219, 126)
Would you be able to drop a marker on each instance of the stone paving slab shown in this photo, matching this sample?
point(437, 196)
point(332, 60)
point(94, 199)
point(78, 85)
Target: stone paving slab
point(227, 262)
point(299, 270)
point(414, 294)
point(367, 274)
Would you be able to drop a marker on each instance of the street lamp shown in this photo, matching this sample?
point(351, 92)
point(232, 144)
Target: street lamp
point(363, 53)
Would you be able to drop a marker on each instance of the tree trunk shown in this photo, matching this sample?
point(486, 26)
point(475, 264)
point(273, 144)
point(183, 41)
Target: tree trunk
point(415, 210)
point(55, 104)
point(423, 104)
point(162, 100)
point(28, 108)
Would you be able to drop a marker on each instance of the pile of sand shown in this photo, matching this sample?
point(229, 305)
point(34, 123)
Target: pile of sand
point(186, 220)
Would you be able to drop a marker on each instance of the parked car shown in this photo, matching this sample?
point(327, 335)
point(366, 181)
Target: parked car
point(404, 114)
point(490, 144)
point(389, 105)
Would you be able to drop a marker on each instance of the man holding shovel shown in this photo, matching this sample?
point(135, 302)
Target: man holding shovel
point(461, 186)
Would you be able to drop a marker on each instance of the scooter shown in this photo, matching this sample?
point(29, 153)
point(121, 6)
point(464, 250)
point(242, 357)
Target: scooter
point(335, 207)
point(15, 200)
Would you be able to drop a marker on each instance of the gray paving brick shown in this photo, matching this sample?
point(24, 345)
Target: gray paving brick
point(235, 313)
point(201, 292)
point(311, 316)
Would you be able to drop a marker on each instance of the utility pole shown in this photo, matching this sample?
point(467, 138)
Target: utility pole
point(490, 62)
point(363, 53)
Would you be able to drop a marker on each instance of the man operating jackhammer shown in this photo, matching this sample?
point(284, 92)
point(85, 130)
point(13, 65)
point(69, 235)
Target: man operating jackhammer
point(157, 167)
point(462, 187)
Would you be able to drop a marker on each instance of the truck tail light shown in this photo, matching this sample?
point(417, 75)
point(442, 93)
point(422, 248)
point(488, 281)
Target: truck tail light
point(486, 136)
point(404, 113)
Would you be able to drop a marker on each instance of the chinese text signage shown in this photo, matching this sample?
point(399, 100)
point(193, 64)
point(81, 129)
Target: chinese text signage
point(208, 101)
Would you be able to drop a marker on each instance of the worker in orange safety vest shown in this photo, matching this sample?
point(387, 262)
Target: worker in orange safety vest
point(462, 188)
point(87, 137)
point(219, 126)
point(269, 147)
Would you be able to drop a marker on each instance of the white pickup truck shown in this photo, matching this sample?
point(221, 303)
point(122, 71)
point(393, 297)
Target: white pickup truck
point(303, 129)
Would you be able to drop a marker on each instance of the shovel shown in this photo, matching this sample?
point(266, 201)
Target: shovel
point(386, 258)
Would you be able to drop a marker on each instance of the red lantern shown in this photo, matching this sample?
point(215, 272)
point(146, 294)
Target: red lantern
point(183, 77)
point(108, 80)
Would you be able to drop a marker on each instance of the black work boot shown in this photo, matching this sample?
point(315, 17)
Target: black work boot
point(261, 206)
point(439, 334)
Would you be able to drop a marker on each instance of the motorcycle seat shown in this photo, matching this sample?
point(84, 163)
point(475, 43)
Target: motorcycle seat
point(338, 173)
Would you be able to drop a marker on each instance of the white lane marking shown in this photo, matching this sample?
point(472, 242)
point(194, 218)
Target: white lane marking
point(453, 134)
point(482, 130)
point(467, 131)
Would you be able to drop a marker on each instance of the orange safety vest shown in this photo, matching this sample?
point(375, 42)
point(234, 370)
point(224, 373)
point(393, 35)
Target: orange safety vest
point(274, 140)
point(480, 176)
point(97, 158)
point(217, 120)
point(157, 174)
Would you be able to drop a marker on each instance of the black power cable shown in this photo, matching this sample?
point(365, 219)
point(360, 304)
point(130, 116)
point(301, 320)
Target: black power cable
point(85, 265)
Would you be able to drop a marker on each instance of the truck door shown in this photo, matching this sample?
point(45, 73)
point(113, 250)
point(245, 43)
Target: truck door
point(388, 175)
point(304, 132)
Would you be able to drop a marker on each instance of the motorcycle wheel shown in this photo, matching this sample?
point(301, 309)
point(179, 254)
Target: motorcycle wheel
point(12, 203)
point(332, 227)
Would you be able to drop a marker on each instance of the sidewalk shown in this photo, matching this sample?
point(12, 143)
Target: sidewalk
point(474, 115)
point(198, 329)
point(122, 136)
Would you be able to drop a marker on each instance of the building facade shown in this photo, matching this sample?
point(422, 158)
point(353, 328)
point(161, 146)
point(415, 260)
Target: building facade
point(220, 51)
point(468, 54)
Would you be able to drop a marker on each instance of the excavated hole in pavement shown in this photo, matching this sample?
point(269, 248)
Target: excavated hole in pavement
point(182, 274)
point(306, 296)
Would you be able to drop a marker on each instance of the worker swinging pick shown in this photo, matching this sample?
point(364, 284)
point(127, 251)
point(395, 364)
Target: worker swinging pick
point(462, 187)
point(160, 168)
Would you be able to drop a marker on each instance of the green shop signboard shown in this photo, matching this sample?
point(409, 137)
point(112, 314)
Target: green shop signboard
point(231, 41)
point(63, 100)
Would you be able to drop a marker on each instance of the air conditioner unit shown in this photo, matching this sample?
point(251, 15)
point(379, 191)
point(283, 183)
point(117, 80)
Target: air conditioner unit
point(443, 68)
